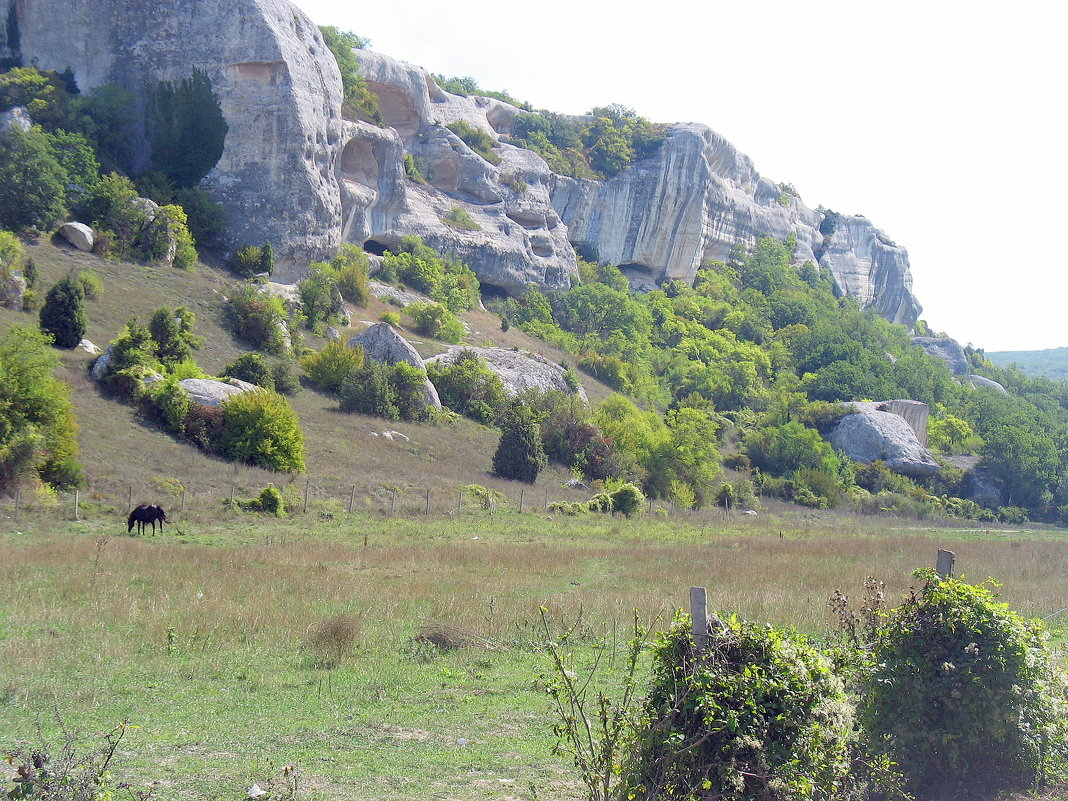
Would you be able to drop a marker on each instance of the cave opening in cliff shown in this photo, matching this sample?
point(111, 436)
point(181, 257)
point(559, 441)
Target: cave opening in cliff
point(375, 248)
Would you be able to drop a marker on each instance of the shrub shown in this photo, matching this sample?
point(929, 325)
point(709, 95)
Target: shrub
point(414, 169)
point(408, 383)
point(367, 390)
point(186, 128)
point(172, 333)
point(253, 368)
point(172, 402)
point(519, 455)
point(393, 318)
point(351, 265)
point(627, 499)
point(513, 182)
point(963, 694)
point(259, 318)
point(359, 102)
point(446, 280)
point(756, 715)
point(63, 313)
point(320, 298)
point(468, 387)
point(203, 426)
point(269, 500)
point(247, 261)
point(92, 286)
point(38, 432)
point(458, 217)
point(435, 320)
point(32, 181)
point(328, 368)
point(260, 428)
point(476, 139)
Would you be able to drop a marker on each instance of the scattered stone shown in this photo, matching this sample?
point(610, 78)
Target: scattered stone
point(255, 791)
point(89, 347)
point(79, 235)
point(383, 343)
point(576, 484)
point(12, 289)
point(751, 512)
point(391, 435)
point(332, 334)
point(15, 119)
point(102, 366)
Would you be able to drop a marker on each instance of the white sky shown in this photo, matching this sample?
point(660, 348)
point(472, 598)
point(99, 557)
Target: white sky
point(941, 121)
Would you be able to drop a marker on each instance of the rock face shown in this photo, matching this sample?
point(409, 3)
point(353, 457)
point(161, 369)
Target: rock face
point(915, 413)
point(295, 173)
point(382, 343)
point(518, 370)
point(78, 234)
point(946, 349)
point(277, 84)
point(519, 238)
point(869, 434)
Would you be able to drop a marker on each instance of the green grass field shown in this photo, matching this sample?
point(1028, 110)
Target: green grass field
point(213, 642)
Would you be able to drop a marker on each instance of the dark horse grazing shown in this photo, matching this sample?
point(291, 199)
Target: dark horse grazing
point(146, 514)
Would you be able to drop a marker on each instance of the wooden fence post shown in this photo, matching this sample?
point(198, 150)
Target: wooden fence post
point(427, 500)
point(460, 501)
point(522, 495)
point(545, 502)
point(233, 489)
point(183, 500)
point(352, 498)
point(18, 501)
point(944, 563)
point(129, 498)
point(76, 499)
point(307, 486)
point(699, 616)
point(392, 502)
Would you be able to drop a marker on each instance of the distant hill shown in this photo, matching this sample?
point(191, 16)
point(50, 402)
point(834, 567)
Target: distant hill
point(1052, 362)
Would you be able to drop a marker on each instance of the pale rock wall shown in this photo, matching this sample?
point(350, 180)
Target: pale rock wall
point(277, 83)
point(520, 238)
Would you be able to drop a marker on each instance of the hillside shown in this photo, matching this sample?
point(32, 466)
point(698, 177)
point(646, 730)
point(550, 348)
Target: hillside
point(1051, 362)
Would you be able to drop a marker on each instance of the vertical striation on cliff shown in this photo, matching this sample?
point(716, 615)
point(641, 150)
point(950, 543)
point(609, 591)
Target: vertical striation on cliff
point(277, 84)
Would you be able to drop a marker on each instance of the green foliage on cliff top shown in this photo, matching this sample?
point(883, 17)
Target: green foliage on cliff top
point(359, 102)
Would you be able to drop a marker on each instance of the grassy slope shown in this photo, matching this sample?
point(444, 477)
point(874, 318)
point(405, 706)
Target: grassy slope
point(120, 450)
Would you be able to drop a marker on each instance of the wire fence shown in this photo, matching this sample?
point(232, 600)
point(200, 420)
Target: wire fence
point(326, 500)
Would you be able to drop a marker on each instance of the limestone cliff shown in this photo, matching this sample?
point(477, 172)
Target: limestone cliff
point(277, 83)
point(293, 172)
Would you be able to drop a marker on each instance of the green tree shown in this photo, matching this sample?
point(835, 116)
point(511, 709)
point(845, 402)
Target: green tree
point(469, 387)
point(186, 128)
point(519, 454)
point(359, 102)
point(63, 313)
point(173, 335)
point(328, 368)
point(38, 432)
point(32, 181)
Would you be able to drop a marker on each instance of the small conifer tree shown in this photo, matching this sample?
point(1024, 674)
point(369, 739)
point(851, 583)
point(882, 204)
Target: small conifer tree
point(63, 313)
point(520, 455)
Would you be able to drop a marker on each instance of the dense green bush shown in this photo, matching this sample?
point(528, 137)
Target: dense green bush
point(32, 182)
point(963, 695)
point(260, 428)
point(252, 368)
point(519, 455)
point(320, 297)
point(458, 217)
point(367, 390)
point(328, 368)
point(250, 260)
point(259, 318)
point(758, 715)
point(351, 267)
point(445, 279)
point(172, 332)
point(63, 313)
point(269, 501)
point(186, 128)
point(476, 139)
point(38, 432)
point(435, 320)
point(469, 387)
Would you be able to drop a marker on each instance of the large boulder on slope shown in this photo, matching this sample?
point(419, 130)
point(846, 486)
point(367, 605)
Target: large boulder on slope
point(518, 370)
point(383, 343)
point(867, 435)
point(946, 349)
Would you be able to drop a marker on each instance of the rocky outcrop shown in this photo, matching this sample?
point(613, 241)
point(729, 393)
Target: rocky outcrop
point(946, 349)
point(915, 413)
point(383, 343)
point(210, 392)
point(15, 119)
point(516, 237)
point(982, 382)
point(78, 234)
point(869, 434)
point(518, 370)
point(277, 84)
point(12, 289)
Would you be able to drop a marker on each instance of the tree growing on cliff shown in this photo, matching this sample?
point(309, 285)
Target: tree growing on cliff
point(186, 128)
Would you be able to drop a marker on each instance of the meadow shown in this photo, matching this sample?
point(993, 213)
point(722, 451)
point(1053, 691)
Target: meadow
point(407, 668)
